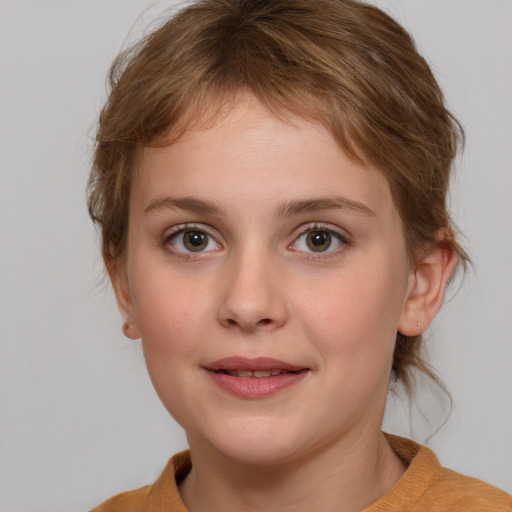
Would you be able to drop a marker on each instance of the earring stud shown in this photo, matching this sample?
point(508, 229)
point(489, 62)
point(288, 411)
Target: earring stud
point(419, 327)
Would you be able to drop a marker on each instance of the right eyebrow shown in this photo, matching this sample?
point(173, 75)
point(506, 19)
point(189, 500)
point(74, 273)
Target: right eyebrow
point(190, 203)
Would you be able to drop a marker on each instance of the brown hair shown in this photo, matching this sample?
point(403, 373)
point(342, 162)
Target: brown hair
point(343, 63)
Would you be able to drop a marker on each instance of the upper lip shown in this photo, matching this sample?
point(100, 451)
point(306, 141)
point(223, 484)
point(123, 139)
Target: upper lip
point(247, 363)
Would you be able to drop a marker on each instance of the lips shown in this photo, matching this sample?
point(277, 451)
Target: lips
point(254, 377)
point(252, 364)
point(255, 373)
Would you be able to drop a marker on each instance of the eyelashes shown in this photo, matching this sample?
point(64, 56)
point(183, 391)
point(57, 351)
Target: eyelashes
point(319, 239)
point(193, 241)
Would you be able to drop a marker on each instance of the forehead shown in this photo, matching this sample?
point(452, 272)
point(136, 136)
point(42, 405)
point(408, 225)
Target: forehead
point(251, 154)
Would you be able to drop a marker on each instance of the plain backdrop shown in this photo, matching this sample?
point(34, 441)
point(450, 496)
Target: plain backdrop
point(79, 420)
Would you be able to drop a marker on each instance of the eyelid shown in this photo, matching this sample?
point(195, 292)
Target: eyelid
point(342, 235)
point(339, 233)
point(189, 226)
point(322, 226)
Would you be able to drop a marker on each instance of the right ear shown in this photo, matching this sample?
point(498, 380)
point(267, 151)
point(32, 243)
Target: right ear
point(119, 279)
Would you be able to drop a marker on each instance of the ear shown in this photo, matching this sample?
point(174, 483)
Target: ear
point(427, 285)
point(119, 279)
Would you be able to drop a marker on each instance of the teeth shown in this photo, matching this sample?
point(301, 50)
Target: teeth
point(240, 373)
point(261, 373)
point(256, 373)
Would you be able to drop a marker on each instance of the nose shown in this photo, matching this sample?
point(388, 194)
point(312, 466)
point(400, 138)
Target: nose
point(253, 293)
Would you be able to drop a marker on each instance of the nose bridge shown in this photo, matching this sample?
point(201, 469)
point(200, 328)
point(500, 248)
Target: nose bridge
point(252, 292)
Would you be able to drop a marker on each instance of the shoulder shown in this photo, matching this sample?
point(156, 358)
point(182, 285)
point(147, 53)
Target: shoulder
point(162, 495)
point(135, 501)
point(466, 494)
point(429, 487)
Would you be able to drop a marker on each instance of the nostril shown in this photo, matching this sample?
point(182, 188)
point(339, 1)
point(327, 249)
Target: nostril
point(265, 321)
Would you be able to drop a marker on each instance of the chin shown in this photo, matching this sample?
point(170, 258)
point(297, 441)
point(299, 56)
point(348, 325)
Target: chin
point(260, 453)
point(259, 443)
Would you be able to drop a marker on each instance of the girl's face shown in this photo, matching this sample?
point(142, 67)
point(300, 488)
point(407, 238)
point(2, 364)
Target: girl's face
point(267, 275)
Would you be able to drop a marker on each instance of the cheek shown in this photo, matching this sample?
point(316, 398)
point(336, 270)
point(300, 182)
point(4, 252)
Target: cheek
point(171, 325)
point(169, 319)
point(355, 314)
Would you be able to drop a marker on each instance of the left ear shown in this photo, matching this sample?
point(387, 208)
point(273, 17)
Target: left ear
point(427, 285)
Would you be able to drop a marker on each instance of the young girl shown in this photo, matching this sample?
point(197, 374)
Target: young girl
point(270, 180)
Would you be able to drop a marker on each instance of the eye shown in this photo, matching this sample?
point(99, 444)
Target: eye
point(192, 241)
point(319, 240)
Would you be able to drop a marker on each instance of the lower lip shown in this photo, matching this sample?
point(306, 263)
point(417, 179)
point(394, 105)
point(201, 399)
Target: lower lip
point(256, 387)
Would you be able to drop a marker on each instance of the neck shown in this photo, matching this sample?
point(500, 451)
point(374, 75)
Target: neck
point(349, 475)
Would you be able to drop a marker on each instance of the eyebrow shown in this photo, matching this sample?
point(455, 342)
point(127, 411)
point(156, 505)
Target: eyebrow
point(287, 209)
point(296, 207)
point(185, 203)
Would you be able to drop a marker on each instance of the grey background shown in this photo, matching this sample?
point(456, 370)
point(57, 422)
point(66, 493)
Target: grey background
point(79, 420)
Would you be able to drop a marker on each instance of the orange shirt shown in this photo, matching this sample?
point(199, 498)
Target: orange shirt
point(424, 487)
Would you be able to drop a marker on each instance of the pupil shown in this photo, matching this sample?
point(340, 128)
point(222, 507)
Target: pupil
point(195, 240)
point(319, 240)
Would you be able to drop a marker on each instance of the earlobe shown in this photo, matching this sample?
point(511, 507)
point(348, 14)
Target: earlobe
point(427, 285)
point(119, 280)
point(130, 330)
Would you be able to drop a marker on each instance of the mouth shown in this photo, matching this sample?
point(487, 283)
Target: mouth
point(258, 374)
point(252, 367)
point(254, 377)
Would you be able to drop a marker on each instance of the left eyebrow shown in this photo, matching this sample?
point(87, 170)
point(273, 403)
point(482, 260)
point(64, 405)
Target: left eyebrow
point(295, 207)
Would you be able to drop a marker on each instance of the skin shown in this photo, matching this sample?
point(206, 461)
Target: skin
point(257, 289)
